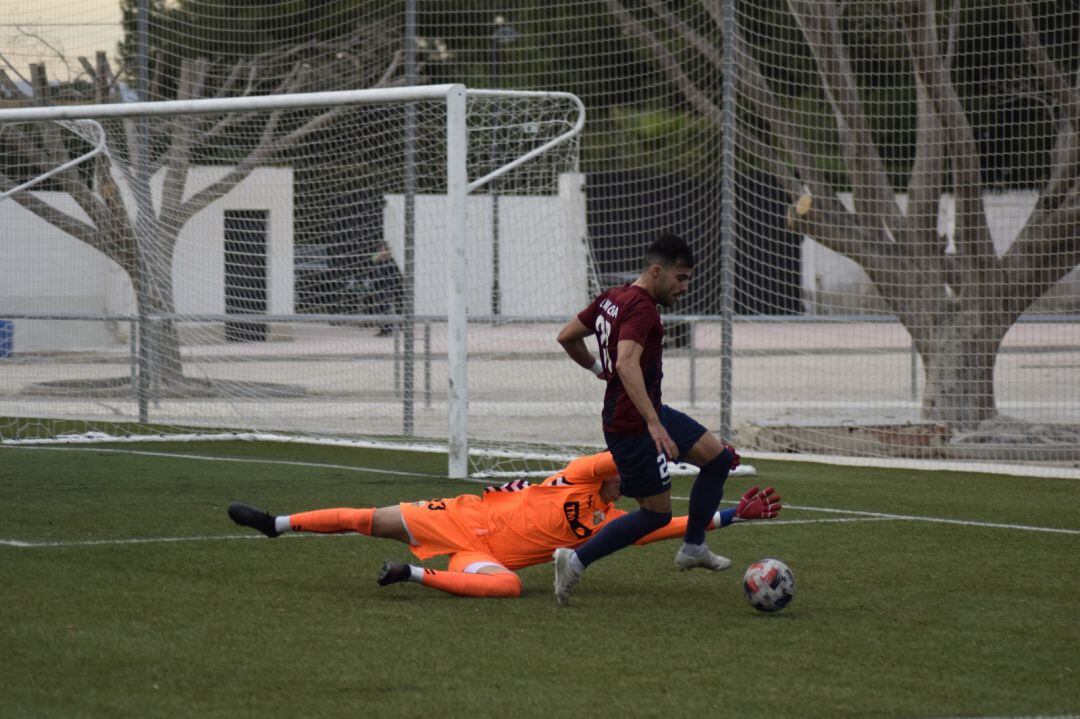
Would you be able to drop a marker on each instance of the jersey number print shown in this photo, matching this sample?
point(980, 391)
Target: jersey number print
point(603, 330)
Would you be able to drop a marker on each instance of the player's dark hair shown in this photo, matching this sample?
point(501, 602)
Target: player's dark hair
point(669, 250)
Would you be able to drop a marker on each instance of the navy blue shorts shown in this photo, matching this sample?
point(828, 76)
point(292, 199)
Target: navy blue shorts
point(642, 472)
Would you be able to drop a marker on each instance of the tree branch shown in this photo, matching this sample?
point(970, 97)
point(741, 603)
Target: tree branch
point(667, 61)
point(53, 154)
point(675, 23)
point(177, 159)
point(873, 194)
point(1047, 249)
point(926, 185)
point(972, 237)
point(391, 69)
point(57, 218)
point(1055, 82)
point(820, 214)
point(1066, 161)
point(752, 85)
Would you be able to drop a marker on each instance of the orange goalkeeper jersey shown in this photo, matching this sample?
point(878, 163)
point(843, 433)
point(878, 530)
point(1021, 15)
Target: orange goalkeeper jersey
point(527, 522)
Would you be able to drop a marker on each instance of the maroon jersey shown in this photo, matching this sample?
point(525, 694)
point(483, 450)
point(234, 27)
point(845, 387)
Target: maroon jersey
point(626, 313)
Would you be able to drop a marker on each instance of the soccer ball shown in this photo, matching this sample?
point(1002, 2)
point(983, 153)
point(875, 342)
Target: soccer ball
point(768, 585)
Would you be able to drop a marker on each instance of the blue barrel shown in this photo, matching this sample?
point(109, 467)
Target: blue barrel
point(7, 338)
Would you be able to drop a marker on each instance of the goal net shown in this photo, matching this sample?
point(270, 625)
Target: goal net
point(881, 197)
point(320, 265)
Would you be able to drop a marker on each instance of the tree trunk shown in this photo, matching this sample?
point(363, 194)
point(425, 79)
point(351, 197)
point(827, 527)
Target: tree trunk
point(163, 340)
point(162, 337)
point(959, 352)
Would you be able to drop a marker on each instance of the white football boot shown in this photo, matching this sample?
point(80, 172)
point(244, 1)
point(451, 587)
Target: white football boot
point(706, 560)
point(565, 575)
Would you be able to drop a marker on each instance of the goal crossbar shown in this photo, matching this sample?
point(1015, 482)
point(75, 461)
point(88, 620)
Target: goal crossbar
point(228, 104)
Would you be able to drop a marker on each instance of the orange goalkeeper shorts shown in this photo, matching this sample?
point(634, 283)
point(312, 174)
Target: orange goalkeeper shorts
point(446, 526)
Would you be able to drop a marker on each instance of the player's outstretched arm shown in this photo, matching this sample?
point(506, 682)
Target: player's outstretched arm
point(594, 468)
point(755, 503)
point(675, 529)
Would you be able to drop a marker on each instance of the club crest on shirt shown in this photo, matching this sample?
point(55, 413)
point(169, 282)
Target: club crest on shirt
point(598, 517)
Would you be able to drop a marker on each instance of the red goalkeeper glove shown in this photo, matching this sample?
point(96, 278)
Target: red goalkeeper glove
point(735, 459)
point(757, 503)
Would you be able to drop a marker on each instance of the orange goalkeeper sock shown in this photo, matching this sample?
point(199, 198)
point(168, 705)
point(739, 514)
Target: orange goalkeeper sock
point(504, 584)
point(330, 521)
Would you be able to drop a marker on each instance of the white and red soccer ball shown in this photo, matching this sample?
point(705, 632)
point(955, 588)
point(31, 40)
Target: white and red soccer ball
point(768, 584)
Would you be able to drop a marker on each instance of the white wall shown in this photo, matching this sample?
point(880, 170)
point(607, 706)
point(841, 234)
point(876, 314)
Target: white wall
point(543, 257)
point(44, 270)
point(199, 262)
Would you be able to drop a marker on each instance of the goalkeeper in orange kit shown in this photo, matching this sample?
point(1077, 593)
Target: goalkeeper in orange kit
point(508, 527)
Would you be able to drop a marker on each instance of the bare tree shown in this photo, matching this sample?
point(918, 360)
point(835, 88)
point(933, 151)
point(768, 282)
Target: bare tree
point(957, 305)
point(368, 57)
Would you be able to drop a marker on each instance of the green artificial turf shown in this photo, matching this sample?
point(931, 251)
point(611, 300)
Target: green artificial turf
point(894, 615)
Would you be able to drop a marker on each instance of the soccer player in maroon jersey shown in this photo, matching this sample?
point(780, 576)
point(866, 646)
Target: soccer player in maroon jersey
point(642, 433)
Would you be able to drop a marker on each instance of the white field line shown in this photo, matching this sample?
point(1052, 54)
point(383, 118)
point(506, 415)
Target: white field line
point(1030, 716)
point(248, 460)
point(834, 520)
point(921, 518)
point(153, 540)
point(295, 463)
point(939, 520)
point(137, 540)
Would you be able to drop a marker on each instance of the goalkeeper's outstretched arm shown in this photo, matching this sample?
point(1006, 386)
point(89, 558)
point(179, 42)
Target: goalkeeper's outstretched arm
point(756, 503)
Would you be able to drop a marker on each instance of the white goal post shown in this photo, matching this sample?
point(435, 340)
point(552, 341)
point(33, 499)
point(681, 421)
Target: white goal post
point(88, 127)
point(458, 186)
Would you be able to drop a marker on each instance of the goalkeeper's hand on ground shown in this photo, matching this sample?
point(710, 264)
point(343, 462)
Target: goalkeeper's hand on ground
point(757, 503)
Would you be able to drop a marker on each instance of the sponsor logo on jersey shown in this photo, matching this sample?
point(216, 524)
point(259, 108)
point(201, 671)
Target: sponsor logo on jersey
point(572, 510)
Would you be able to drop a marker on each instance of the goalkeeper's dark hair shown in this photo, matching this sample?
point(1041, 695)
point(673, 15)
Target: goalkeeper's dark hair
point(669, 250)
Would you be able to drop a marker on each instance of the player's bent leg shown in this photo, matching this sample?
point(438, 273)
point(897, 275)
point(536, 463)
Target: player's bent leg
point(384, 522)
point(655, 512)
point(332, 521)
point(470, 574)
point(502, 585)
point(708, 489)
point(658, 503)
point(643, 475)
point(387, 523)
point(715, 461)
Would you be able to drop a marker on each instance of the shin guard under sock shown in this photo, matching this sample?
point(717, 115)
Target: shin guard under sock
point(705, 496)
point(331, 521)
point(463, 584)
